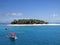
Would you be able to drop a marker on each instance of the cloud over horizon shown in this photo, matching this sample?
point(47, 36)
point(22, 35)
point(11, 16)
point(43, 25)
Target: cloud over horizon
point(54, 17)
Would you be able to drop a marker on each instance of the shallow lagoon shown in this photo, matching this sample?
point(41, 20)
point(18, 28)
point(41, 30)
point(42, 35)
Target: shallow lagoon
point(30, 35)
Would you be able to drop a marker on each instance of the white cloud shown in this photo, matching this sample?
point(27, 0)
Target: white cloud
point(15, 14)
point(11, 14)
point(55, 17)
point(19, 14)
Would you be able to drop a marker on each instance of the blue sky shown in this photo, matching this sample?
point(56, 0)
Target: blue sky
point(48, 10)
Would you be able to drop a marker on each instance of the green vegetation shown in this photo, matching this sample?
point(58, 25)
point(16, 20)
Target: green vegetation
point(28, 21)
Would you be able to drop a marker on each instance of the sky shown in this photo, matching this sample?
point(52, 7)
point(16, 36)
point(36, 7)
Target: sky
point(47, 10)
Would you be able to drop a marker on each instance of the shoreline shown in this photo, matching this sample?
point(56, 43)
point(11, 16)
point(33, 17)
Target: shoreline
point(33, 25)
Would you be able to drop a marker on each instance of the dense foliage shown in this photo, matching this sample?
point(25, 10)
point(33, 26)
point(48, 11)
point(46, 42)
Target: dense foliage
point(28, 21)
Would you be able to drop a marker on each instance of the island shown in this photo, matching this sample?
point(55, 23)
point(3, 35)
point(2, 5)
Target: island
point(28, 21)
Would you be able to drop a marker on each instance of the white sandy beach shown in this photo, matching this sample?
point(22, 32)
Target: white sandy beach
point(33, 24)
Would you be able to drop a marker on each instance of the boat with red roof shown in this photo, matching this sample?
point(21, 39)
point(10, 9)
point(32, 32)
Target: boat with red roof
point(12, 35)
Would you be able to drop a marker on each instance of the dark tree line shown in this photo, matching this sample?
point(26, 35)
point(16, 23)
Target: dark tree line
point(28, 21)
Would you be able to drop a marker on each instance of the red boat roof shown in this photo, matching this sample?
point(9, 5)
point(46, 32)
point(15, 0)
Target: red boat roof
point(12, 33)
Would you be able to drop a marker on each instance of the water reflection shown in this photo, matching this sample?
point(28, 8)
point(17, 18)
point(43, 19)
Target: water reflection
point(12, 41)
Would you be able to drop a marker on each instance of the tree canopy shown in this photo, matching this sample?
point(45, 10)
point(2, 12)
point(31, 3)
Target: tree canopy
point(28, 21)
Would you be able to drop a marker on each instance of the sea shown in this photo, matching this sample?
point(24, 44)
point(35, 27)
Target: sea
point(30, 35)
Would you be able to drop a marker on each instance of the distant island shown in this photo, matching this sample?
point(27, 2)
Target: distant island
point(29, 21)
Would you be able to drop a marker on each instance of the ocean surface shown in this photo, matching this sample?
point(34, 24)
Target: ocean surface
point(30, 35)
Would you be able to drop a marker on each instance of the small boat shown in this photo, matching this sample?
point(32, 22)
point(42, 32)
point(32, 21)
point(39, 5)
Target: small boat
point(12, 35)
point(7, 28)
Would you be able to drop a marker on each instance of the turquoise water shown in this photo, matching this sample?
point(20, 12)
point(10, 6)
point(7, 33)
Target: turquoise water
point(31, 35)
